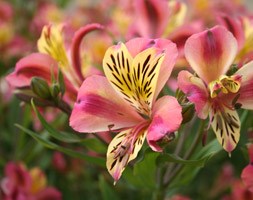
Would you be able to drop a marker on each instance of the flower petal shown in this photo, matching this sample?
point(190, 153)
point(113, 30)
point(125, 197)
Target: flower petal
point(196, 92)
point(211, 52)
point(247, 177)
point(49, 193)
point(120, 153)
point(39, 65)
point(36, 64)
point(166, 119)
point(235, 26)
point(135, 79)
point(246, 90)
point(226, 125)
point(76, 44)
point(100, 108)
point(152, 17)
point(248, 171)
point(137, 45)
point(51, 42)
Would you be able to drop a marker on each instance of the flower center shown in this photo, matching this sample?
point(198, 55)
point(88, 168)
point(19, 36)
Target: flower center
point(225, 84)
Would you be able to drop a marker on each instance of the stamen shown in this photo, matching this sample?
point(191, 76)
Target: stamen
point(224, 84)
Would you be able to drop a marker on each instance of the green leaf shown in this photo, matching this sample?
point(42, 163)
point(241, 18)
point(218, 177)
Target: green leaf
point(106, 190)
point(94, 144)
point(164, 158)
point(96, 160)
point(188, 172)
point(198, 159)
point(210, 149)
point(143, 174)
point(62, 136)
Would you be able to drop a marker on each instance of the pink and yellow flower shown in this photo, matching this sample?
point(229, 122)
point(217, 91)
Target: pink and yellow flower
point(19, 183)
point(55, 51)
point(125, 100)
point(210, 54)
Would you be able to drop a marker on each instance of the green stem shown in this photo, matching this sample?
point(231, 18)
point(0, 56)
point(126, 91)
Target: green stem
point(159, 195)
point(244, 116)
point(189, 153)
point(63, 106)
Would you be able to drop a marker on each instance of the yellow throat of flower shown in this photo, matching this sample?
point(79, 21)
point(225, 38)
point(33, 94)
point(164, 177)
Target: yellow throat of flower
point(225, 84)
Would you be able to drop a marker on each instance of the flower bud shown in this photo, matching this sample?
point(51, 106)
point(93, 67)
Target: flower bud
point(187, 112)
point(55, 90)
point(40, 87)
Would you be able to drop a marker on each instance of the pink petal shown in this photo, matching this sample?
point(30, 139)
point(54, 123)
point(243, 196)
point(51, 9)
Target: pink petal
point(17, 174)
point(49, 193)
point(99, 108)
point(246, 90)
point(181, 34)
point(234, 25)
point(211, 52)
point(137, 45)
point(152, 17)
point(76, 44)
point(7, 186)
point(36, 64)
point(247, 177)
point(247, 172)
point(40, 65)
point(196, 92)
point(166, 118)
point(250, 149)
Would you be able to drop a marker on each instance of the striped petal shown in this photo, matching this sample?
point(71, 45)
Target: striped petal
point(137, 45)
point(99, 108)
point(120, 151)
point(226, 125)
point(210, 53)
point(134, 78)
point(51, 42)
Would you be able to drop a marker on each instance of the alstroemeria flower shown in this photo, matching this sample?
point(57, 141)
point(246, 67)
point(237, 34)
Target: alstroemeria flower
point(157, 18)
point(210, 54)
point(19, 183)
point(125, 100)
point(55, 52)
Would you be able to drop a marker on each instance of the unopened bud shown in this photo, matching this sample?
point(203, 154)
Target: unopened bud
point(40, 87)
point(61, 82)
point(187, 113)
point(55, 90)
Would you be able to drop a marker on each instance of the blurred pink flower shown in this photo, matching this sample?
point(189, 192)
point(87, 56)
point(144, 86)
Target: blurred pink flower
point(21, 184)
point(247, 173)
